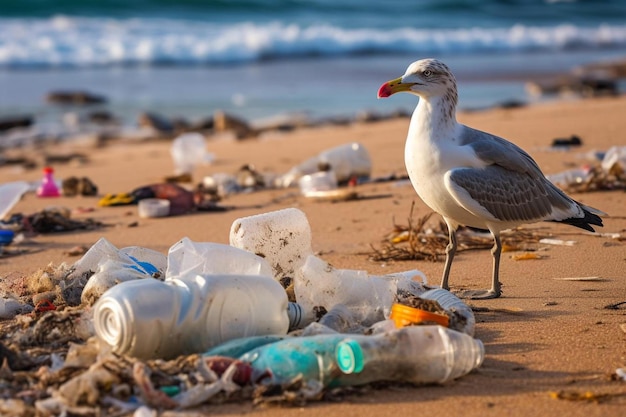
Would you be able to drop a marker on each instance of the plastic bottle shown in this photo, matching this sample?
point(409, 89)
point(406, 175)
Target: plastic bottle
point(417, 354)
point(369, 298)
point(237, 347)
point(311, 356)
point(282, 238)
point(463, 317)
point(340, 319)
point(153, 319)
point(346, 161)
point(48, 187)
point(570, 177)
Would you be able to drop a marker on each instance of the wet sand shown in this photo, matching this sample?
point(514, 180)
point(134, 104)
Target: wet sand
point(545, 335)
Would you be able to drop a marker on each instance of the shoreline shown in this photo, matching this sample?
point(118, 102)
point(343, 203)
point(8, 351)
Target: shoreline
point(333, 96)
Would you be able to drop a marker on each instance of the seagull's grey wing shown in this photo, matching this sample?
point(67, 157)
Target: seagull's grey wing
point(494, 150)
point(498, 194)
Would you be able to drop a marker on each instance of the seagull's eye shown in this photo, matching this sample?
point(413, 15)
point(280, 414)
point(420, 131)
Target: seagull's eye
point(427, 73)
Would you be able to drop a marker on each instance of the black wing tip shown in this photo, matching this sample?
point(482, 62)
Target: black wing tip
point(584, 222)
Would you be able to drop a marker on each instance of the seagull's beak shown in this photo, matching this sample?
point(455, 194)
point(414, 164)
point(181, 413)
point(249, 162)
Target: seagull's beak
point(393, 87)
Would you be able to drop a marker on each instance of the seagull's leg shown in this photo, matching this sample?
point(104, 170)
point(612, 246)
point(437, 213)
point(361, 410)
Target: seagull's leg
point(495, 290)
point(450, 251)
point(496, 251)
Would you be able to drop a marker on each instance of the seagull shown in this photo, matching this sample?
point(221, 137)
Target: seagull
point(473, 178)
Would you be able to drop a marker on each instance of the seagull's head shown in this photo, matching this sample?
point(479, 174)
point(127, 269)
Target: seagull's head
point(425, 78)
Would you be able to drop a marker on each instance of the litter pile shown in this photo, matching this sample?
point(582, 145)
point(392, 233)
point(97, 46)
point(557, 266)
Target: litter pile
point(609, 174)
point(261, 319)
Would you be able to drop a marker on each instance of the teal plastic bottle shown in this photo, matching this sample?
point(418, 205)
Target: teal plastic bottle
point(416, 354)
point(311, 356)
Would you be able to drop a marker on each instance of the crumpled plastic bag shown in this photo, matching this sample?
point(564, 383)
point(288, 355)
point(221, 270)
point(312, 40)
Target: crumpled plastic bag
point(188, 259)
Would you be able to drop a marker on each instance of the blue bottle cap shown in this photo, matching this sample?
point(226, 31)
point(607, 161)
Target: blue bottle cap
point(6, 236)
point(349, 357)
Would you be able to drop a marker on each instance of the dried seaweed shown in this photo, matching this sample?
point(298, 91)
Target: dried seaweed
point(423, 240)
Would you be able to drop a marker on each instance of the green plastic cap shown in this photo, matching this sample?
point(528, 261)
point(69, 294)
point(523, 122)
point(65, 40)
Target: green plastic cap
point(349, 357)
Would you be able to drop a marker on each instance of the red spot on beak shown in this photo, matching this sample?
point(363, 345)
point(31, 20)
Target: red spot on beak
point(384, 91)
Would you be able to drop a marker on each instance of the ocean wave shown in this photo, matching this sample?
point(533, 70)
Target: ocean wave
point(78, 42)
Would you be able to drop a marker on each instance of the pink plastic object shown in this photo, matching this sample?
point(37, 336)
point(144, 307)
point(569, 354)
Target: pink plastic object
point(48, 187)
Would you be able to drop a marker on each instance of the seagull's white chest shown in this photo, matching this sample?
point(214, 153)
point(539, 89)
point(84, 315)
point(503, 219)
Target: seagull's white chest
point(428, 159)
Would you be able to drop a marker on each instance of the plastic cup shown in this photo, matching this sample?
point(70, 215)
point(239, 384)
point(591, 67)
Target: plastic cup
point(153, 207)
point(320, 181)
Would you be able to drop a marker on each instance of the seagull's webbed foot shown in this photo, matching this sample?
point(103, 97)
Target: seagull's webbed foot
point(480, 294)
point(495, 290)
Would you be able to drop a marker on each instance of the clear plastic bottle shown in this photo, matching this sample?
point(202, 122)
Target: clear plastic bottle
point(416, 354)
point(368, 297)
point(48, 187)
point(149, 318)
point(462, 313)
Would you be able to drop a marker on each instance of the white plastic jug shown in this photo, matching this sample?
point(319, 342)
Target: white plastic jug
point(281, 237)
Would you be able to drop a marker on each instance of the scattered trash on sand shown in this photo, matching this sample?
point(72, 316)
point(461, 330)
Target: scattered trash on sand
point(53, 219)
point(427, 240)
point(609, 174)
point(132, 330)
point(348, 161)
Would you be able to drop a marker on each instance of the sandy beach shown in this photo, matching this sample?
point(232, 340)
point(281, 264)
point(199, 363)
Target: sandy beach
point(546, 337)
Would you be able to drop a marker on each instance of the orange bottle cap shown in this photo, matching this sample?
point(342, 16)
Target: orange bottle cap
point(404, 316)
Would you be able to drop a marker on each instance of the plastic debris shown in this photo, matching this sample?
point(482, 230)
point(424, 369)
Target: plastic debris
point(48, 187)
point(183, 330)
point(526, 256)
point(187, 259)
point(202, 311)
point(104, 266)
point(189, 150)
point(282, 238)
point(351, 160)
point(319, 287)
point(10, 194)
point(9, 308)
point(421, 355)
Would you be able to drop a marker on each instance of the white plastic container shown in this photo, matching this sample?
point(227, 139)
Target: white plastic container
point(368, 297)
point(155, 319)
point(153, 207)
point(282, 238)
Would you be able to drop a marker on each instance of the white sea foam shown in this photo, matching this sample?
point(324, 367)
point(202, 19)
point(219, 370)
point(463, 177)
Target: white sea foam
point(69, 41)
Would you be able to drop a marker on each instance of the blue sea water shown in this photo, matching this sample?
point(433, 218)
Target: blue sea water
point(258, 58)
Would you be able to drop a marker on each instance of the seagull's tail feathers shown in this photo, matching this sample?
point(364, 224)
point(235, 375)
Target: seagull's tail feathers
point(591, 217)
